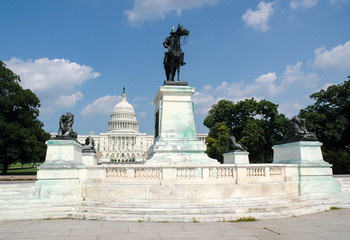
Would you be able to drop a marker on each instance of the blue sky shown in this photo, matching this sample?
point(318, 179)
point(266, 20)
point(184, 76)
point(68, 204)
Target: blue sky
point(77, 55)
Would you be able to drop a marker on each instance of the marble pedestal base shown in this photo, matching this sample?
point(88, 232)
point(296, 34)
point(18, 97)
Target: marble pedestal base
point(175, 131)
point(315, 175)
point(237, 157)
point(63, 154)
point(58, 176)
point(89, 158)
point(303, 152)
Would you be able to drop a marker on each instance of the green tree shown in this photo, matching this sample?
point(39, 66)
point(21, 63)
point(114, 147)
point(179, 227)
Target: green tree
point(329, 118)
point(217, 141)
point(22, 138)
point(257, 125)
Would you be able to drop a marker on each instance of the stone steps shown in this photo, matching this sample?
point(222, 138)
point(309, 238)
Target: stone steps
point(36, 210)
point(187, 212)
point(344, 183)
point(18, 206)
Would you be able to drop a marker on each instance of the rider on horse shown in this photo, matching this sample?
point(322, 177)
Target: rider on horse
point(174, 57)
point(168, 44)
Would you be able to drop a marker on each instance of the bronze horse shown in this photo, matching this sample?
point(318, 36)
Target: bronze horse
point(174, 57)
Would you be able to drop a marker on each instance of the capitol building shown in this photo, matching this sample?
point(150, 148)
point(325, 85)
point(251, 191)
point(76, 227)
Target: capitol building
point(123, 142)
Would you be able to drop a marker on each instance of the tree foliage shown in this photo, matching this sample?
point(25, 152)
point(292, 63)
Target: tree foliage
point(329, 117)
point(257, 126)
point(21, 135)
point(217, 146)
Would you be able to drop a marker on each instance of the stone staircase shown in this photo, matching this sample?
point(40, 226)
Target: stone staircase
point(208, 212)
point(16, 204)
point(344, 181)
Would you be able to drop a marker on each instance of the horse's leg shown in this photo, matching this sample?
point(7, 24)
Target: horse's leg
point(167, 73)
point(172, 72)
point(178, 73)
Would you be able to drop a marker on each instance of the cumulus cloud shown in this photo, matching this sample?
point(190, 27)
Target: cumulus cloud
point(335, 60)
point(263, 86)
point(145, 10)
point(303, 3)
point(203, 101)
point(53, 80)
point(259, 18)
point(66, 101)
point(101, 106)
point(295, 75)
point(43, 74)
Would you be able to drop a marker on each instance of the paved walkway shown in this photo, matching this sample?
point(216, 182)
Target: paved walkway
point(332, 225)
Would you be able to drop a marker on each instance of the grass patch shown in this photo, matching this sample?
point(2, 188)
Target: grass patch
point(334, 208)
point(19, 165)
point(22, 171)
point(196, 220)
point(244, 219)
point(25, 169)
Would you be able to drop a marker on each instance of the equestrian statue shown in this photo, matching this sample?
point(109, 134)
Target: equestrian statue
point(174, 57)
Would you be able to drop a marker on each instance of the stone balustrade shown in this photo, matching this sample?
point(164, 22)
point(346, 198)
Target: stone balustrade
point(228, 172)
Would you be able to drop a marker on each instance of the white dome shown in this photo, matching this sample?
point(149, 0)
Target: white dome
point(123, 106)
point(123, 117)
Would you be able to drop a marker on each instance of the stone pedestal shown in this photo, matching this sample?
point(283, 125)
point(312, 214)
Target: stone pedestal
point(236, 157)
point(303, 152)
point(63, 154)
point(175, 131)
point(58, 176)
point(315, 175)
point(89, 158)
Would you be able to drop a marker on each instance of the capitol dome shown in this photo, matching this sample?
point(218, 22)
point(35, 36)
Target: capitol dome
point(123, 117)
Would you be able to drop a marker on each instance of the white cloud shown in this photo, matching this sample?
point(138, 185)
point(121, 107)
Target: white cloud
point(334, 60)
point(263, 84)
point(203, 101)
point(69, 101)
point(53, 80)
point(43, 74)
point(259, 18)
point(144, 10)
point(294, 75)
point(303, 3)
point(101, 106)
